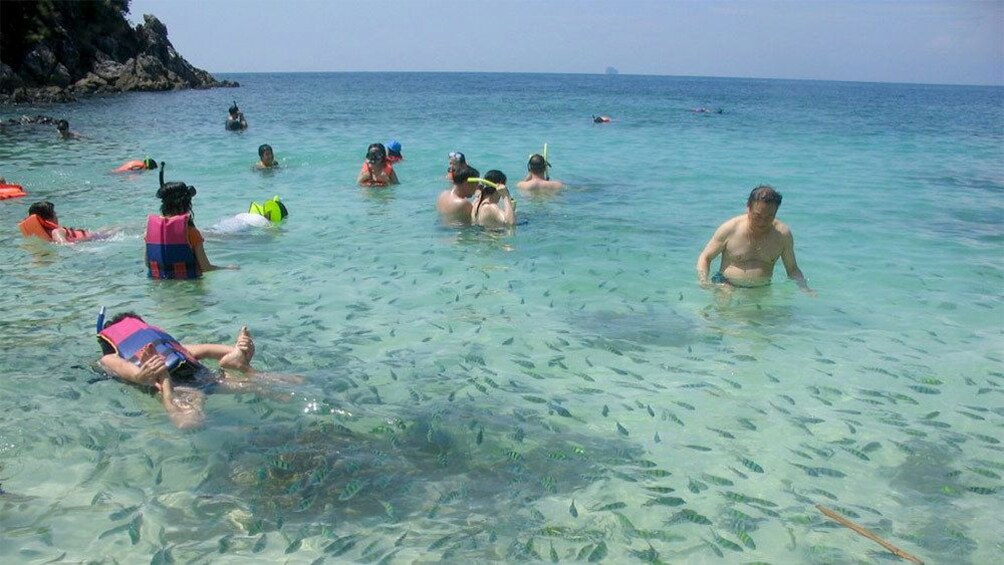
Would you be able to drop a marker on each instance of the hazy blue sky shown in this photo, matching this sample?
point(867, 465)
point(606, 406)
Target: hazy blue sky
point(955, 42)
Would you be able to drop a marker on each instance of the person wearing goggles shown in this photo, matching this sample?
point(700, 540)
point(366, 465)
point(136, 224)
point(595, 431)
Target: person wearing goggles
point(377, 170)
point(537, 180)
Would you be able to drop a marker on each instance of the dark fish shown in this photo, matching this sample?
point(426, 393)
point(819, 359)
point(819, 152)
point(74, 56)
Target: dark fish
point(134, 528)
point(664, 501)
point(751, 465)
point(748, 424)
point(573, 510)
point(723, 433)
point(698, 447)
point(716, 480)
point(508, 341)
point(605, 411)
point(689, 516)
point(598, 553)
point(657, 439)
point(696, 486)
point(622, 430)
point(661, 490)
point(611, 506)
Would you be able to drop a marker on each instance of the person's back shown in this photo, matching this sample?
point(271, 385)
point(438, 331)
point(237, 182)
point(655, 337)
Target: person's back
point(537, 180)
point(495, 208)
point(454, 204)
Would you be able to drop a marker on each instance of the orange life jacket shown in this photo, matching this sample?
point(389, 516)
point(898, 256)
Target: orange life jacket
point(33, 225)
point(131, 166)
point(11, 191)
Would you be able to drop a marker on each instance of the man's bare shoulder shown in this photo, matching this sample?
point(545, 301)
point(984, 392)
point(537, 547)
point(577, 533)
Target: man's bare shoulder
point(782, 228)
point(732, 225)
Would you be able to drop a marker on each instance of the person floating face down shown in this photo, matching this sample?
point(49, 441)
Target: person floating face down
point(376, 169)
point(235, 118)
point(750, 245)
point(454, 204)
point(537, 180)
point(145, 355)
point(147, 164)
point(493, 207)
point(174, 246)
point(266, 158)
point(42, 222)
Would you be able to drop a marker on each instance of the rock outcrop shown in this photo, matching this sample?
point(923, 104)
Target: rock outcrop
point(54, 50)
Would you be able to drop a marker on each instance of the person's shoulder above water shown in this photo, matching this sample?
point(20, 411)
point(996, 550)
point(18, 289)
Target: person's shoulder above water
point(454, 203)
point(376, 170)
point(537, 179)
point(235, 118)
point(266, 157)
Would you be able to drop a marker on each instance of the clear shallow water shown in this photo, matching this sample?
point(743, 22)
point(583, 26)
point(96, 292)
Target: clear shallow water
point(464, 388)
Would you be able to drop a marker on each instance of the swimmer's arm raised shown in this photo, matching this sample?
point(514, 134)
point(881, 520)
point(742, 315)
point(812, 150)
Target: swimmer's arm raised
point(509, 209)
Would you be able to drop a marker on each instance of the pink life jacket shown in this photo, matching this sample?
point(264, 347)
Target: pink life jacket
point(168, 253)
point(130, 335)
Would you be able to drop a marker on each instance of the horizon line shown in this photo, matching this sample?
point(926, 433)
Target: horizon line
point(984, 85)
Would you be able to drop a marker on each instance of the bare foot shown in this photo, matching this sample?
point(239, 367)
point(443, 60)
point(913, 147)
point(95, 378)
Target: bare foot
point(243, 352)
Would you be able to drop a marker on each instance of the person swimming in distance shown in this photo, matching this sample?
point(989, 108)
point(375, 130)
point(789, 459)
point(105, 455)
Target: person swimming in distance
point(537, 179)
point(174, 246)
point(147, 164)
point(601, 119)
point(266, 158)
point(235, 119)
point(376, 170)
point(394, 152)
point(454, 204)
point(63, 127)
point(750, 245)
point(494, 207)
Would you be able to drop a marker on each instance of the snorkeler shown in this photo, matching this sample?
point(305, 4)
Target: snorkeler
point(376, 170)
point(454, 161)
point(42, 222)
point(454, 204)
point(266, 158)
point(495, 208)
point(145, 355)
point(750, 245)
point(235, 119)
point(147, 164)
point(601, 119)
point(174, 246)
point(537, 180)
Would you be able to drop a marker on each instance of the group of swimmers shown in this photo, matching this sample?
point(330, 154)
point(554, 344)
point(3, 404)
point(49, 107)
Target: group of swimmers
point(144, 355)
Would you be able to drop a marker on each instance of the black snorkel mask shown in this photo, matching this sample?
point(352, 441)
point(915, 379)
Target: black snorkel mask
point(165, 188)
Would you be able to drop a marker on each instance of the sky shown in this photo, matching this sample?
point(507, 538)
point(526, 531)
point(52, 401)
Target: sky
point(936, 42)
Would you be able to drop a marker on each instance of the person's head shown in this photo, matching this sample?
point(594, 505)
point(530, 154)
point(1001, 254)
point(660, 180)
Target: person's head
point(63, 126)
point(150, 164)
point(394, 148)
point(456, 159)
point(762, 205)
point(45, 210)
point(175, 197)
point(265, 154)
point(376, 153)
point(460, 178)
point(496, 177)
point(234, 110)
point(121, 317)
point(537, 164)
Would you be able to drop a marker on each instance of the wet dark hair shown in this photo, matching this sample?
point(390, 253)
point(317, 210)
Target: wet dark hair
point(497, 177)
point(537, 164)
point(375, 148)
point(234, 109)
point(262, 148)
point(461, 175)
point(45, 210)
point(764, 193)
point(121, 317)
point(175, 197)
point(62, 125)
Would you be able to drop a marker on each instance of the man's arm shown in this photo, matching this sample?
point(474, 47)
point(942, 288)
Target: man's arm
point(713, 249)
point(791, 265)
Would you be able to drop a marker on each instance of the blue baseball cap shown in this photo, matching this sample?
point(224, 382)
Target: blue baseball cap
point(393, 145)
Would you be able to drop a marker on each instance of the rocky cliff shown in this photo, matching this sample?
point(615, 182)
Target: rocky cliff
point(53, 50)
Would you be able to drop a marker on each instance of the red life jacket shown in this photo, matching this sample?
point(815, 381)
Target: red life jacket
point(367, 168)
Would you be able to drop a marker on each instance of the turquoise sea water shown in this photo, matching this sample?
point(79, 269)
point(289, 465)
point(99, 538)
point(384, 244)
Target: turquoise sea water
point(564, 391)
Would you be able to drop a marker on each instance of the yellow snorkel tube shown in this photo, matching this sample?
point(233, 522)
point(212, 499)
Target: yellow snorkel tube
point(485, 182)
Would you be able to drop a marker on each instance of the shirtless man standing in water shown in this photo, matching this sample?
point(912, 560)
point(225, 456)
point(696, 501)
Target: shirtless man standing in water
point(750, 245)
